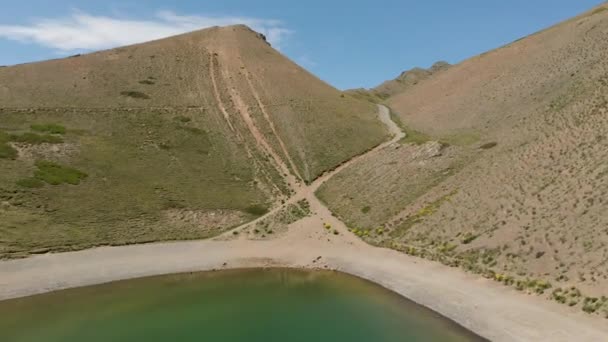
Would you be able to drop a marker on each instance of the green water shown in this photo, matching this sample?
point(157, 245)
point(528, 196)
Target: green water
point(250, 305)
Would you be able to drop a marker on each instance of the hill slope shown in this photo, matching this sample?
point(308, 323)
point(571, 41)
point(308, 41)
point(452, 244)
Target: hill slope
point(515, 188)
point(178, 138)
point(404, 81)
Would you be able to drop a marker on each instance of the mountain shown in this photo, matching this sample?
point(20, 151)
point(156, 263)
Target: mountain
point(178, 138)
point(400, 84)
point(505, 168)
point(408, 79)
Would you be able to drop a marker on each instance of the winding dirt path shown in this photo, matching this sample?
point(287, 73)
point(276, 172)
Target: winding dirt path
point(493, 311)
point(308, 191)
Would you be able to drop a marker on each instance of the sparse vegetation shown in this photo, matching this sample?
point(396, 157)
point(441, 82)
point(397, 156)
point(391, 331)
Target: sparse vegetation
point(414, 137)
point(256, 209)
point(32, 183)
point(421, 214)
point(35, 139)
point(599, 10)
point(460, 139)
point(56, 174)
point(48, 128)
point(6, 150)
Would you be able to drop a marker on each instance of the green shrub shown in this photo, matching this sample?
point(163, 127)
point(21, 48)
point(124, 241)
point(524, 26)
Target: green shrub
point(135, 94)
point(256, 209)
point(48, 128)
point(30, 183)
point(35, 139)
point(366, 209)
point(56, 174)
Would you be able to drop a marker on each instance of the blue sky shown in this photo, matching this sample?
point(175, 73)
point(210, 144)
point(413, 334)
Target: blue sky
point(347, 43)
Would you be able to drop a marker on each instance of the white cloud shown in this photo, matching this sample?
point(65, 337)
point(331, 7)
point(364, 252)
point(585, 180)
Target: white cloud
point(82, 31)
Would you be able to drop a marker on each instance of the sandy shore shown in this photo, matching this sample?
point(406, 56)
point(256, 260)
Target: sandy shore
point(489, 309)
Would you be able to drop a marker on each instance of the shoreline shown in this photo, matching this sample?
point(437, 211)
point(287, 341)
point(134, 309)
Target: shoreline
point(481, 306)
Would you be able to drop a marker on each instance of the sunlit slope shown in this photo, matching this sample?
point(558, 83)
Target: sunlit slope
point(504, 170)
point(173, 139)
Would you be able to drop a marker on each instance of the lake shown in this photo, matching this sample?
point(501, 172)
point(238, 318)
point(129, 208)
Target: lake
point(237, 305)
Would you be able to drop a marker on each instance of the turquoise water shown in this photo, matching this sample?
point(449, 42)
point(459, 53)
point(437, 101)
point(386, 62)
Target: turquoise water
point(244, 305)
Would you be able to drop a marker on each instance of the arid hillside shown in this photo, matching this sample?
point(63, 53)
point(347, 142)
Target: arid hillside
point(178, 138)
point(504, 171)
point(398, 85)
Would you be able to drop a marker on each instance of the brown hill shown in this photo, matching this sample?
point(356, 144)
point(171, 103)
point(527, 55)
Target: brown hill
point(515, 188)
point(173, 139)
point(408, 79)
point(400, 84)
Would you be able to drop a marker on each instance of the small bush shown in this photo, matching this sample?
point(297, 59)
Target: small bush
point(147, 82)
point(468, 238)
point(183, 119)
point(539, 254)
point(36, 139)
point(256, 209)
point(489, 145)
point(56, 174)
point(193, 130)
point(48, 128)
point(31, 183)
point(366, 209)
point(135, 94)
point(336, 232)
